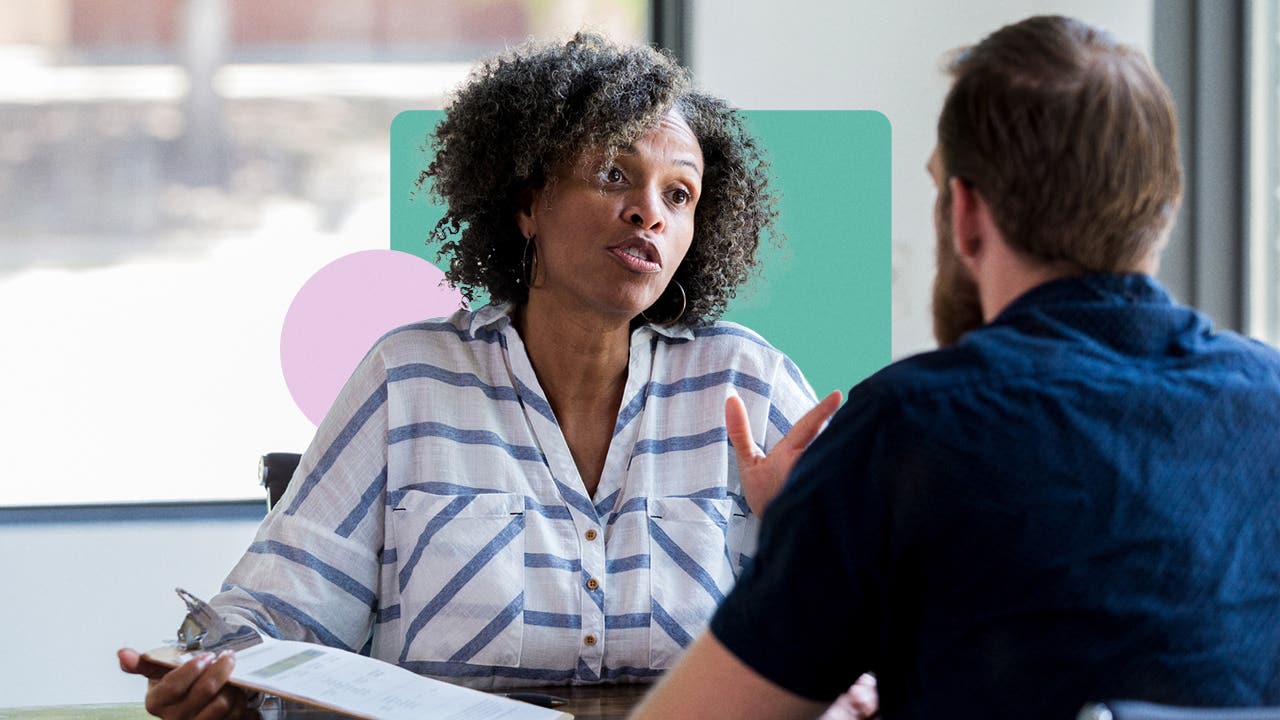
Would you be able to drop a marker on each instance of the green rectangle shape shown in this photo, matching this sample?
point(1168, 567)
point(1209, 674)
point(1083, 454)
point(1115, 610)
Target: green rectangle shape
point(824, 296)
point(413, 214)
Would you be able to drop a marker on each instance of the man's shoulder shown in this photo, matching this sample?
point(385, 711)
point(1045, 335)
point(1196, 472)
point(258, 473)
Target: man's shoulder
point(1043, 388)
point(935, 371)
point(1233, 349)
point(995, 356)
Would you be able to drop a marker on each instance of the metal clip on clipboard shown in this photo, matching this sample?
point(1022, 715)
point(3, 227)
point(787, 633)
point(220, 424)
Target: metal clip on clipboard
point(204, 629)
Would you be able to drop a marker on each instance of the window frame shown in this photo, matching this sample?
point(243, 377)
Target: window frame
point(1262, 51)
point(1199, 48)
point(668, 27)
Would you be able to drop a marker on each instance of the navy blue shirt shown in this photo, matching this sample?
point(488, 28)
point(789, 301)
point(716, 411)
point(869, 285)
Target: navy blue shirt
point(1078, 501)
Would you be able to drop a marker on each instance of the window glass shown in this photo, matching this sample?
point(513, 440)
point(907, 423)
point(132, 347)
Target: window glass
point(1264, 172)
point(171, 173)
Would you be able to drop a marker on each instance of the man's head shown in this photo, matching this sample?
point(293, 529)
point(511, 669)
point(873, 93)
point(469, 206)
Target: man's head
point(1070, 140)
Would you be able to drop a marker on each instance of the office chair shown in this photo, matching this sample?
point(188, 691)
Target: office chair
point(1135, 710)
point(274, 472)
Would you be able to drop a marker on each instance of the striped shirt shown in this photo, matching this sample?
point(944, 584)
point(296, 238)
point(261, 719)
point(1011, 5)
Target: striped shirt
point(438, 520)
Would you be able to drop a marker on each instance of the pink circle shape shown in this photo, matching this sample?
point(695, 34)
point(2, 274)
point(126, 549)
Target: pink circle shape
point(343, 309)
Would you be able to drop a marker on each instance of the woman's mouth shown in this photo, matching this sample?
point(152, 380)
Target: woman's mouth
point(638, 255)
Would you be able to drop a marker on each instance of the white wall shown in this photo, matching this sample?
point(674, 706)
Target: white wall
point(71, 593)
point(873, 54)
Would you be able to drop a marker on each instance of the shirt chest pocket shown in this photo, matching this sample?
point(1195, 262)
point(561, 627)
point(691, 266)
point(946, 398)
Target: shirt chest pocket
point(690, 569)
point(460, 570)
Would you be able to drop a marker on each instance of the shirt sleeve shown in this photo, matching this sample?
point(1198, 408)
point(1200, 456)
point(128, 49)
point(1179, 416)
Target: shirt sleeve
point(771, 417)
point(803, 614)
point(312, 571)
point(790, 398)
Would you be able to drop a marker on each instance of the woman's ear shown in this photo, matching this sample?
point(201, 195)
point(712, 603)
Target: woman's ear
point(526, 212)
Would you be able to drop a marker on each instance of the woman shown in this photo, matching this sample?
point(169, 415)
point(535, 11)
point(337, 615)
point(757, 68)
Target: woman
point(543, 490)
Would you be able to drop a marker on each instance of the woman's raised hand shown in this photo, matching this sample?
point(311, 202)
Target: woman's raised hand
point(195, 690)
point(763, 475)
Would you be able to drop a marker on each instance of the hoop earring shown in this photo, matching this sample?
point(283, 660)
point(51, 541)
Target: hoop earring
point(529, 268)
point(683, 305)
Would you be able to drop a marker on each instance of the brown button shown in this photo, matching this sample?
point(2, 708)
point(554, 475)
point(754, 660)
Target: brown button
point(590, 535)
point(589, 640)
point(592, 584)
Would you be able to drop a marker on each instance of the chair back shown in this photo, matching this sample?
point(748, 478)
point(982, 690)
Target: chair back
point(1136, 710)
point(275, 470)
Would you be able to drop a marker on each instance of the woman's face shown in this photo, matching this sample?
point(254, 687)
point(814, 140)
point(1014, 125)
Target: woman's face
point(611, 234)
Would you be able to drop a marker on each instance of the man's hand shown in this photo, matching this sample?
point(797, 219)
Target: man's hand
point(196, 690)
point(763, 475)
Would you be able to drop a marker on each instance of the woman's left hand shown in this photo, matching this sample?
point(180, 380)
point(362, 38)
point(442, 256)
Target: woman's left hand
point(763, 475)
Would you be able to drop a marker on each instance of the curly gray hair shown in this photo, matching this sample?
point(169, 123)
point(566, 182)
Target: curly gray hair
point(525, 113)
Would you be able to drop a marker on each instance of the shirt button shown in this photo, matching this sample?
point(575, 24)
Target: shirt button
point(592, 584)
point(589, 640)
point(590, 535)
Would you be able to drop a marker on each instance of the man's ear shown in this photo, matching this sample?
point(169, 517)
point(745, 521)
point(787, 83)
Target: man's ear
point(974, 227)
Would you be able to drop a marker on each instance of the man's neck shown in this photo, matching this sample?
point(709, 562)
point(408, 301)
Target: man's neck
point(1008, 274)
point(1009, 282)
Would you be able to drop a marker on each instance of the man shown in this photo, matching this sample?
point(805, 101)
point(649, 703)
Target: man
point(1078, 497)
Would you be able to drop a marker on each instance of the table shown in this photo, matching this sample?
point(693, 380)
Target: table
point(586, 702)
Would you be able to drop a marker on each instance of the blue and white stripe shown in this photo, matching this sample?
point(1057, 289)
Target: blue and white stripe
point(439, 514)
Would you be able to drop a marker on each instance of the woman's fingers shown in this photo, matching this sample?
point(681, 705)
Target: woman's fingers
point(864, 696)
point(205, 698)
point(191, 689)
point(175, 686)
point(737, 426)
point(763, 476)
point(808, 427)
point(132, 662)
point(228, 704)
point(859, 702)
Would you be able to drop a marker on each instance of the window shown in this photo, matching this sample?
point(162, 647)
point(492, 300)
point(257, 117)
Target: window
point(1264, 171)
point(171, 172)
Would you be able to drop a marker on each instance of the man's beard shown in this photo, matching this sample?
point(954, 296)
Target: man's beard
point(956, 306)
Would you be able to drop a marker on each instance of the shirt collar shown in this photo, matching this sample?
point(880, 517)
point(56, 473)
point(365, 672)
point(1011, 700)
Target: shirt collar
point(493, 317)
point(674, 331)
point(1118, 289)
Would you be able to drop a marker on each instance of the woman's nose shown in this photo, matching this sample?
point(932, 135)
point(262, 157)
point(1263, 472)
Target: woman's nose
point(645, 211)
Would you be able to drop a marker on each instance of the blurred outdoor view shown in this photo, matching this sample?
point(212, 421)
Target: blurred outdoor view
point(171, 173)
point(1264, 171)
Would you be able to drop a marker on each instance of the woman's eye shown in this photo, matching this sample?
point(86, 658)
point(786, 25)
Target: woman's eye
point(613, 175)
point(679, 196)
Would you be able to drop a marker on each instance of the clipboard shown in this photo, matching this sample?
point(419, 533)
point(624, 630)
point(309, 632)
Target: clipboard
point(171, 656)
point(334, 680)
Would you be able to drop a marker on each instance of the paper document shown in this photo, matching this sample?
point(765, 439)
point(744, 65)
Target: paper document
point(357, 685)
